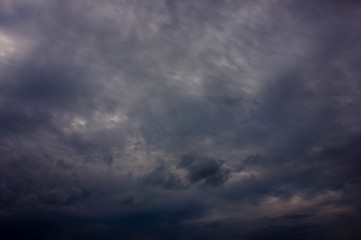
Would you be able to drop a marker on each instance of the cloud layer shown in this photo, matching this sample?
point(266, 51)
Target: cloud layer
point(180, 119)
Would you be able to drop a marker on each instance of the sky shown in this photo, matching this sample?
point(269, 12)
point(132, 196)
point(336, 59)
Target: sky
point(164, 119)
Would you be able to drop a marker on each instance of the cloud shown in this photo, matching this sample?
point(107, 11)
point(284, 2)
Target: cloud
point(209, 171)
point(163, 177)
point(187, 119)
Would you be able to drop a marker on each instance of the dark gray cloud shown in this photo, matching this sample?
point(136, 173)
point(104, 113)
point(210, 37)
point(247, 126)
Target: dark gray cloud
point(180, 119)
point(206, 170)
point(162, 177)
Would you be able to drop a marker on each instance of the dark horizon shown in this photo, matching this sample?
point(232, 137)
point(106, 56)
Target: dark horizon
point(136, 119)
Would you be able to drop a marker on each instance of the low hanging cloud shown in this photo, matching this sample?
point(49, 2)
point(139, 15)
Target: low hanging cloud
point(180, 119)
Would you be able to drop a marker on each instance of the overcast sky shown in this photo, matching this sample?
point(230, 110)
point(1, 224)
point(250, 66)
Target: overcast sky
point(199, 119)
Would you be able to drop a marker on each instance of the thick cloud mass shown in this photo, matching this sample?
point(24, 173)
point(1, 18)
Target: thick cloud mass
point(180, 119)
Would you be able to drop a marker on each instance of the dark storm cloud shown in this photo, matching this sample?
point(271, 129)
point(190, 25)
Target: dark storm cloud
point(157, 222)
point(180, 119)
point(162, 177)
point(15, 121)
point(209, 171)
